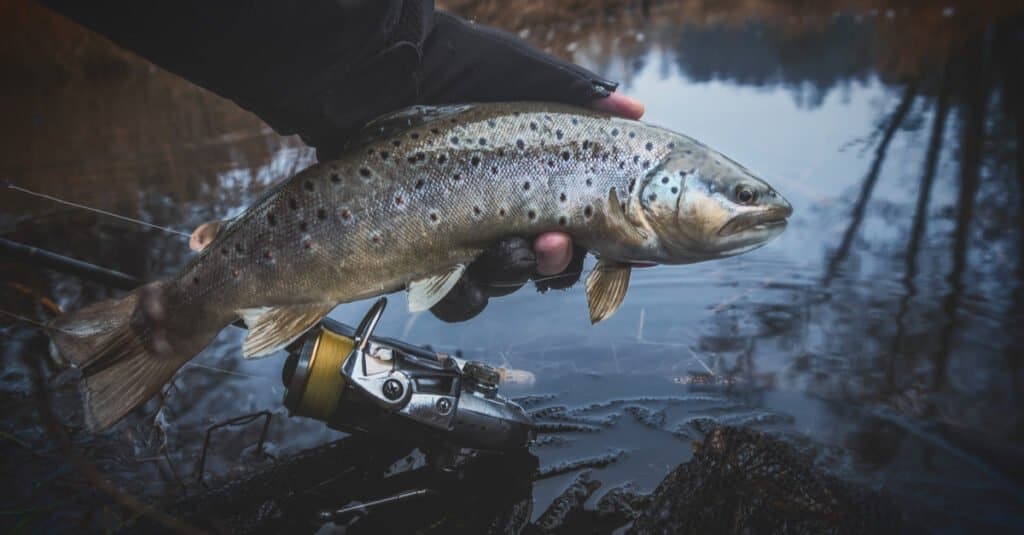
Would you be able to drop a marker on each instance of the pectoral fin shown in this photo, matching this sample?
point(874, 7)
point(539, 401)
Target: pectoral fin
point(425, 293)
point(626, 231)
point(274, 328)
point(606, 288)
point(204, 235)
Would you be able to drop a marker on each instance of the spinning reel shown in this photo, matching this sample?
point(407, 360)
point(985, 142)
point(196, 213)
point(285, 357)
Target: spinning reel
point(356, 382)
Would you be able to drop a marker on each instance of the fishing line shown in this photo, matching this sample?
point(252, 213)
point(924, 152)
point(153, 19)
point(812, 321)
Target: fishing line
point(539, 279)
point(96, 210)
point(31, 321)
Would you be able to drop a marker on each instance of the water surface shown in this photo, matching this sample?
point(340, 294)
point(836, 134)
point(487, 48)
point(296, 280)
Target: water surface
point(882, 330)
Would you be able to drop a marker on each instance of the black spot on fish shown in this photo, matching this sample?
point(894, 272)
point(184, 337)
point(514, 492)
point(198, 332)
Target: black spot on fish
point(562, 221)
point(414, 135)
point(664, 180)
point(649, 146)
point(622, 165)
point(566, 155)
point(195, 280)
point(441, 159)
point(491, 123)
point(224, 251)
point(397, 143)
point(384, 154)
point(335, 178)
point(646, 164)
point(675, 189)
point(551, 163)
point(375, 238)
point(435, 131)
point(364, 172)
point(501, 212)
point(455, 140)
point(476, 210)
point(671, 145)
point(482, 141)
point(475, 160)
point(526, 186)
point(590, 182)
point(271, 220)
point(420, 156)
point(293, 204)
point(346, 214)
point(308, 185)
point(501, 152)
point(531, 214)
point(615, 132)
point(652, 197)
point(586, 144)
point(682, 174)
point(533, 125)
point(575, 120)
point(632, 135)
point(307, 244)
point(457, 176)
point(588, 211)
point(494, 169)
point(321, 213)
point(559, 134)
point(419, 184)
point(547, 118)
point(239, 249)
point(268, 255)
point(562, 197)
point(411, 158)
point(636, 159)
point(303, 226)
point(399, 200)
point(520, 144)
point(433, 216)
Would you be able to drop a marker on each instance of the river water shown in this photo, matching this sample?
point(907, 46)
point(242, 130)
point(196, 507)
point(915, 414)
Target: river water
point(882, 330)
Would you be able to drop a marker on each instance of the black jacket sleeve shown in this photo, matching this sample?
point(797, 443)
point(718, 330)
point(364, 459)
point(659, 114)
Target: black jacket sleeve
point(322, 68)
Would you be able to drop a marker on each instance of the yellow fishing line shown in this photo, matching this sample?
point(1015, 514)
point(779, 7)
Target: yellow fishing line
point(323, 391)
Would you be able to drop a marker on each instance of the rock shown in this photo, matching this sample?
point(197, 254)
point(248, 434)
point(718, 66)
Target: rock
point(746, 481)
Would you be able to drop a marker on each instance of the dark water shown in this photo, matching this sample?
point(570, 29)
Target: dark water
point(883, 329)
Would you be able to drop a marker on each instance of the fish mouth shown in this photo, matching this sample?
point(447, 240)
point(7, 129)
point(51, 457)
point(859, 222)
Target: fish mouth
point(774, 221)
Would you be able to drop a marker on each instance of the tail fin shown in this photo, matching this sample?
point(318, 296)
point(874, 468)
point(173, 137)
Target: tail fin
point(126, 353)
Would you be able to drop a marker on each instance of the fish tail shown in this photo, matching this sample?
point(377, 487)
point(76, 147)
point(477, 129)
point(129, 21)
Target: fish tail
point(127, 348)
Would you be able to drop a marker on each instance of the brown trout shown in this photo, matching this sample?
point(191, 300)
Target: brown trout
point(421, 195)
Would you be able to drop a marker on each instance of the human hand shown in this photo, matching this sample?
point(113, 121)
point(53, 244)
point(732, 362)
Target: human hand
point(551, 259)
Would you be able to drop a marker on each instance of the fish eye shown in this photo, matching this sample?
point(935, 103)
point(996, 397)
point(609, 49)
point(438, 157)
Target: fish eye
point(745, 195)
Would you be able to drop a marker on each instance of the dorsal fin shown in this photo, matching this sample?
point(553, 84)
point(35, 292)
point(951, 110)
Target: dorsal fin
point(390, 124)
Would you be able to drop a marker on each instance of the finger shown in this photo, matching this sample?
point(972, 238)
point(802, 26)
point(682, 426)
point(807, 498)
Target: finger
point(554, 251)
point(620, 105)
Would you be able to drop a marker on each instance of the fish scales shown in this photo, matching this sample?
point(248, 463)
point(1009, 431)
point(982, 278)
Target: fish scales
point(408, 205)
point(421, 194)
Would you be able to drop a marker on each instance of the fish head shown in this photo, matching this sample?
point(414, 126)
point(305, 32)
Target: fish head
point(702, 205)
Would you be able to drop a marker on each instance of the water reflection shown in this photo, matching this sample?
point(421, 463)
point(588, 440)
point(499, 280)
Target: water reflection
point(886, 320)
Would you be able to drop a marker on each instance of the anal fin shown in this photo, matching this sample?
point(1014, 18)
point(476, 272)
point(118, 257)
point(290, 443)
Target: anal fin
point(425, 293)
point(606, 288)
point(274, 328)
